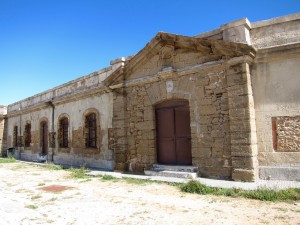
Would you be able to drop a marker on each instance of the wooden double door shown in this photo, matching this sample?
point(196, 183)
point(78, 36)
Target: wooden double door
point(173, 133)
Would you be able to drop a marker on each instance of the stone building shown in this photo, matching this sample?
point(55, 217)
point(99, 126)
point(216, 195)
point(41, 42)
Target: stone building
point(224, 103)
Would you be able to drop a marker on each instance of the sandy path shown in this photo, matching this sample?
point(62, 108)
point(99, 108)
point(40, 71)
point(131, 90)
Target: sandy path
point(95, 201)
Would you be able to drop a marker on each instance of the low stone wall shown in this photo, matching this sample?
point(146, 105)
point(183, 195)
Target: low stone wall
point(79, 161)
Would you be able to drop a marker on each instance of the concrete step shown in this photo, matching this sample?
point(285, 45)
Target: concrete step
point(166, 173)
point(172, 171)
point(178, 168)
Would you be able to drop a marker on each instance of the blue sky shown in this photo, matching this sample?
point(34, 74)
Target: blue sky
point(45, 43)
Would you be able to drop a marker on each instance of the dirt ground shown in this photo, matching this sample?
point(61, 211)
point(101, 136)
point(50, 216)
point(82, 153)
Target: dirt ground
point(35, 195)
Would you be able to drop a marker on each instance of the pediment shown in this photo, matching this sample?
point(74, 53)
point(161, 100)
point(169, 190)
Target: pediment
point(175, 51)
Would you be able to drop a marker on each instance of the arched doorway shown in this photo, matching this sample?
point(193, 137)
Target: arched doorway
point(173, 133)
point(44, 137)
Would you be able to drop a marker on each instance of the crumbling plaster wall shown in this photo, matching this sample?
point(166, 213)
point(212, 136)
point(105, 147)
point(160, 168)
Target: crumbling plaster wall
point(276, 93)
point(276, 32)
point(78, 154)
point(20, 120)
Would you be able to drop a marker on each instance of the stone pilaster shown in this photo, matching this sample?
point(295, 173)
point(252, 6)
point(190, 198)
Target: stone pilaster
point(242, 123)
point(119, 132)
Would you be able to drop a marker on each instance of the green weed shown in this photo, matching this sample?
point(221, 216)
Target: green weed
point(7, 160)
point(31, 207)
point(108, 177)
point(78, 173)
point(138, 181)
point(35, 197)
point(260, 194)
point(52, 166)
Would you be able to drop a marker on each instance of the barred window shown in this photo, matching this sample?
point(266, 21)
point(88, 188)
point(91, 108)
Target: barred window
point(63, 133)
point(91, 131)
point(27, 135)
point(15, 136)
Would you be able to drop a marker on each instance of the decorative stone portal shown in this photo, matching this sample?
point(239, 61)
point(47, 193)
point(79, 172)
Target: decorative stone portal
point(173, 133)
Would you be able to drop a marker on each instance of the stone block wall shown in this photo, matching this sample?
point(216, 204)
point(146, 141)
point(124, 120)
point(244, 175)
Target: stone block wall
point(216, 96)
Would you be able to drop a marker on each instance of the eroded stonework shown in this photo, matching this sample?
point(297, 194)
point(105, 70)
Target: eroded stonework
point(233, 81)
point(287, 134)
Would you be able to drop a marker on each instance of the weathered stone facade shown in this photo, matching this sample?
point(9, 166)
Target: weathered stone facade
point(74, 101)
point(217, 93)
point(233, 80)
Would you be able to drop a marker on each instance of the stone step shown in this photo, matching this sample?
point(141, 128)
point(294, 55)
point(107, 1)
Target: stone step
point(177, 171)
point(177, 168)
point(167, 173)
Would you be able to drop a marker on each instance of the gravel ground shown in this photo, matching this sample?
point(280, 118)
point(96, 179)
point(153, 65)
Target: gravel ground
point(30, 195)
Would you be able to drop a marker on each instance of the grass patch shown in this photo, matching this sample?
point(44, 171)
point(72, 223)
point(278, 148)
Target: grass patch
point(41, 184)
point(35, 197)
point(270, 195)
point(78, 173)
point(52, 166)
point(135, 181)
point(31, 207)
point(260, 194)
point(7, 160)
point(108, 177)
